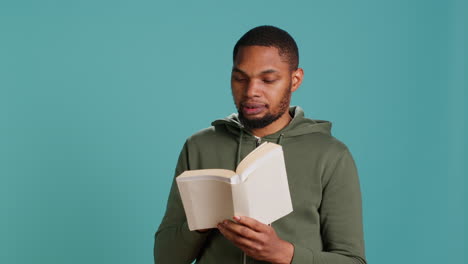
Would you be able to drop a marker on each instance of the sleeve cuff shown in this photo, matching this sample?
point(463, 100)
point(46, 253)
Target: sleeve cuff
point(192, 236)
point(302, 255)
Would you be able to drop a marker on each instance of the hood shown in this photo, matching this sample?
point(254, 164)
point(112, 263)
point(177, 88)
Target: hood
point(299, 125)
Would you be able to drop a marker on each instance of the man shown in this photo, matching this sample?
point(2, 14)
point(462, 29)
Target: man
point(326, 224)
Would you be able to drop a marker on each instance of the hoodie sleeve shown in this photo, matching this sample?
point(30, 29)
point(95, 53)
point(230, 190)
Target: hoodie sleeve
point(340, 217)
point(174, 242)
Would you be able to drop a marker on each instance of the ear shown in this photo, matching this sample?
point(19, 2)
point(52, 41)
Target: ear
point(296, 79)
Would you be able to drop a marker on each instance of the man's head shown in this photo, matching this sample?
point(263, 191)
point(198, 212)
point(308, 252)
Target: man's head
point(265, 72)
point(270, 36)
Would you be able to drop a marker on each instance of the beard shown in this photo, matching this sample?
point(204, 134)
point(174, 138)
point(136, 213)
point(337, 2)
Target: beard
point(270, 117)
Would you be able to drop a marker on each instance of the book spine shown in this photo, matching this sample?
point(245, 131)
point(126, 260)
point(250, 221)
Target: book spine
point(240, 200)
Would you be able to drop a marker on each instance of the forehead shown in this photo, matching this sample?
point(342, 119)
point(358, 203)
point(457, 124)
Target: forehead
point(254, 59)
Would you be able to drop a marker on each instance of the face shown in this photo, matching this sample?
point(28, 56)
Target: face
point(262, 83)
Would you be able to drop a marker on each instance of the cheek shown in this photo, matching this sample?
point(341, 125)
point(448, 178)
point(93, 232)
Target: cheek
point(236, 94)
point(276, 91)
point(237, 89)
point(276, 95)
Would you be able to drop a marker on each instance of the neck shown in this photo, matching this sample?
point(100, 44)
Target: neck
point(274, 127)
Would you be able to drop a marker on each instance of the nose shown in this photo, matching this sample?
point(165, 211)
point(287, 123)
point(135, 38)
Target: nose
point(252, 89)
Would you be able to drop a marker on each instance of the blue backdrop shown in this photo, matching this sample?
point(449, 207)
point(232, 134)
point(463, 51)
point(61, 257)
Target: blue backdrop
point(97, 98)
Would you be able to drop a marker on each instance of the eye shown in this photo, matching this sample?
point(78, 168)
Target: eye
point(238, 79)
point(268, 81)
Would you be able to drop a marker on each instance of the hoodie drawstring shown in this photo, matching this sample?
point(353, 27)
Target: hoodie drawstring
point(239, 146)
point(280, 139)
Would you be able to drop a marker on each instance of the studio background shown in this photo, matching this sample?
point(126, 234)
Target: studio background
point(98, 97)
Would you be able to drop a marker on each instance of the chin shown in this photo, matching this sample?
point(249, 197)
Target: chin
point(256, 117)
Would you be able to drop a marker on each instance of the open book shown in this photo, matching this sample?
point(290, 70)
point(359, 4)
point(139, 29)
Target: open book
point(257, 189)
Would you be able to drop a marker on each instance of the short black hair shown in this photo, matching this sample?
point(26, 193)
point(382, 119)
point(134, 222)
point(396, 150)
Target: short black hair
point(270, 36)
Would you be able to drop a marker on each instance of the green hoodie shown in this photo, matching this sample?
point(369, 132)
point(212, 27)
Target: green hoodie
point(326, 224)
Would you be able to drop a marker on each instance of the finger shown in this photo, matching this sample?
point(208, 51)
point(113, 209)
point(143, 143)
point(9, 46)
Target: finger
point(240, 241)
point(251, 223)
point(226, 232)
point(241, 230)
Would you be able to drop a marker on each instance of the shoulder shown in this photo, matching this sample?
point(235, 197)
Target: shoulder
point(334, 144)
point(323, 143)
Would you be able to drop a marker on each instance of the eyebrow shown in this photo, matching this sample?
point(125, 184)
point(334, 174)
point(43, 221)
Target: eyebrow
point(235, 69)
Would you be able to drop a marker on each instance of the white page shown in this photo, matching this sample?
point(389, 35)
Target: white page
point(206, 202)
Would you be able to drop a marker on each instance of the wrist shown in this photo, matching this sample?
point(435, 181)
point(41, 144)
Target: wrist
point(286, 254)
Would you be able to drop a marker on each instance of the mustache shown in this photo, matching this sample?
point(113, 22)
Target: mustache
point(253, 104)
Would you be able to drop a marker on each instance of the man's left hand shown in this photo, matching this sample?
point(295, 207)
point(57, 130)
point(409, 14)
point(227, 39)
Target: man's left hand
point(257, 240)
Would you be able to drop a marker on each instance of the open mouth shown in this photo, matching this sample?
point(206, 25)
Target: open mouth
point(253, 108)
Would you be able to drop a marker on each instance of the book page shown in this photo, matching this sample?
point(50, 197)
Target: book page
point(264, 195)
point(255, 156)
point(206, 201)
point(208, 174)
